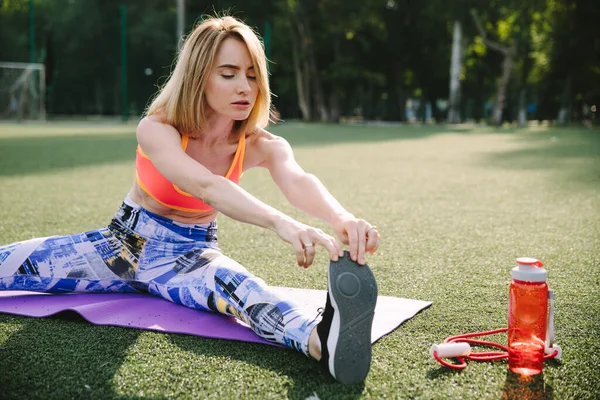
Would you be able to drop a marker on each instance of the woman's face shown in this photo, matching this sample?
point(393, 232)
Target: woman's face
point(232, 89)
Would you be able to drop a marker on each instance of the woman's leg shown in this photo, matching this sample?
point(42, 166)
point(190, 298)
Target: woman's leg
point(102, 260)
point(206, 279)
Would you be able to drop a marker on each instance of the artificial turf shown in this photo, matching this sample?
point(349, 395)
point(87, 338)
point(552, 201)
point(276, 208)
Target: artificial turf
point(455, 206)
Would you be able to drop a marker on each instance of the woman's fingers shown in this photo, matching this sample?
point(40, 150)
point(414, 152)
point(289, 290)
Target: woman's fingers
point(330, 244)
point(309, 252)
point(362, 238)
point(338, 248)
point(352, 231)
point(308, 248)
point(306, 242)
point(299, 249)
point(362, 241)
point(373, 239)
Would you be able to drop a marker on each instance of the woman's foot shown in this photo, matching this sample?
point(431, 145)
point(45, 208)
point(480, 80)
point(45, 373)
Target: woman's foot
point(344, 332)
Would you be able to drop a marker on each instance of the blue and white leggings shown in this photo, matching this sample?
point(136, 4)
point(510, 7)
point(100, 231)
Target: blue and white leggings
point(143, 252)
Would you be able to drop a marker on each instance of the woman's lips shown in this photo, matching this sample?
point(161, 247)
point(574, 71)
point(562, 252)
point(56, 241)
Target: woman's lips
point(241, 105)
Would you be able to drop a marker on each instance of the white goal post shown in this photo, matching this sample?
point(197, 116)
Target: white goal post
point(22, 91)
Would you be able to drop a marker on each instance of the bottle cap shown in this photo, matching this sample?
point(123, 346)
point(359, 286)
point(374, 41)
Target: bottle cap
point(529, 270)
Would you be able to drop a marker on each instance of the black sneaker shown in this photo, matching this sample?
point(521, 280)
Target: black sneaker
point(345, 329)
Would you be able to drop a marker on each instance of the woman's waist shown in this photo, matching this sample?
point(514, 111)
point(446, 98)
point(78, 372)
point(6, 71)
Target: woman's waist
point(138, 196)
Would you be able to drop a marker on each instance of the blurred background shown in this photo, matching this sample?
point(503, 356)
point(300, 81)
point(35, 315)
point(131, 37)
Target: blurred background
point(420, 61)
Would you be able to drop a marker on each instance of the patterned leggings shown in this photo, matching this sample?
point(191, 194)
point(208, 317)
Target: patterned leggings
point(143, 252)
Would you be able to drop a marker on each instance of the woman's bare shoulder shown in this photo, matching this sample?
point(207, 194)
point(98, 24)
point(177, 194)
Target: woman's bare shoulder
point(264, 145)
point(155, 119)
point(261, 137)
point(155, 128)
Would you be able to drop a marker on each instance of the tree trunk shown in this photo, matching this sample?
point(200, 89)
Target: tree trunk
point(526, 69)
point(565, 103)
point(334, 95)
point(455, 67)
point(522, 108)
point(334, 106)
point(308, 67)
point(507, 66)
point(302, 76)
point(314, 72)
point(318, 88)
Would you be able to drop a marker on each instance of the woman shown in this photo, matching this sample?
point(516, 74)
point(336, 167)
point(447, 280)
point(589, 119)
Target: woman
point(201, 132)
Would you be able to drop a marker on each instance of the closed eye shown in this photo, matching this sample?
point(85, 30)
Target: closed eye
point(251, 77)
point(227, 76)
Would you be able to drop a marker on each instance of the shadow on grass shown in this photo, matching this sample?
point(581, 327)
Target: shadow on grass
point(63, 357)
point(519, 387)
point(575, 154)
point(308, 379)
point(39, 154)
point(32, 155)
point(314, 134)
point(516, 387)
point(439, 372)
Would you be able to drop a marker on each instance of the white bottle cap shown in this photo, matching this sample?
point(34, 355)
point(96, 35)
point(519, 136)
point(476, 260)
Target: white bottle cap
point(529, 270)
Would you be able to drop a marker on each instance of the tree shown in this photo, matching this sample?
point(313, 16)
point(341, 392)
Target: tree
point(455, 68)
point(332, 58)
point(509, 53)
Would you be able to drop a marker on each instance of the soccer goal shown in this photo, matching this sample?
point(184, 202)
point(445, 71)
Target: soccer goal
point(22, 91)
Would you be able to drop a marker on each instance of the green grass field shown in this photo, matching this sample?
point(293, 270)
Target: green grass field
point(455, 207)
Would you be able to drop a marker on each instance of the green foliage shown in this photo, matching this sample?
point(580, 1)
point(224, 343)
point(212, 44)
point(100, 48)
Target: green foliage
point(361, 49)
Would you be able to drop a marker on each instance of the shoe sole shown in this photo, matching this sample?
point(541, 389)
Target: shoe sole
point(353, 294)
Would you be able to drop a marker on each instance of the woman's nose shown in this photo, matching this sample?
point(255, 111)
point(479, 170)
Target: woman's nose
point(244, 86)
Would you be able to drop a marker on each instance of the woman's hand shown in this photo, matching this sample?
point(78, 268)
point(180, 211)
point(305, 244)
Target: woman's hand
point(358, 234)
point(304, 238)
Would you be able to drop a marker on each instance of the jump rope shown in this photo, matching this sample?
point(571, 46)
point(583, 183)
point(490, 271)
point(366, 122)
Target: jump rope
point(459, 346)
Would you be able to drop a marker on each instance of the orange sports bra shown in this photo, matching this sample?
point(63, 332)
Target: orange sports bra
point(166, 193)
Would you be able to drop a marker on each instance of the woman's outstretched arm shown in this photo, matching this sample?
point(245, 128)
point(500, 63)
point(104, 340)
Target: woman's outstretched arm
point(306, 192)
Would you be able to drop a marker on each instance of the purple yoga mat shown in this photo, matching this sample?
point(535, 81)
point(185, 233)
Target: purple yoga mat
point(144, 311)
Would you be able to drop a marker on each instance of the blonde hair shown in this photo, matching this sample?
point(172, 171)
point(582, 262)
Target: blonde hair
point(182, 98)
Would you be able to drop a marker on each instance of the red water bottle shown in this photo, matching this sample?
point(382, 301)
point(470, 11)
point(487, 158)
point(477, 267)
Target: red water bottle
point(527, 316)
